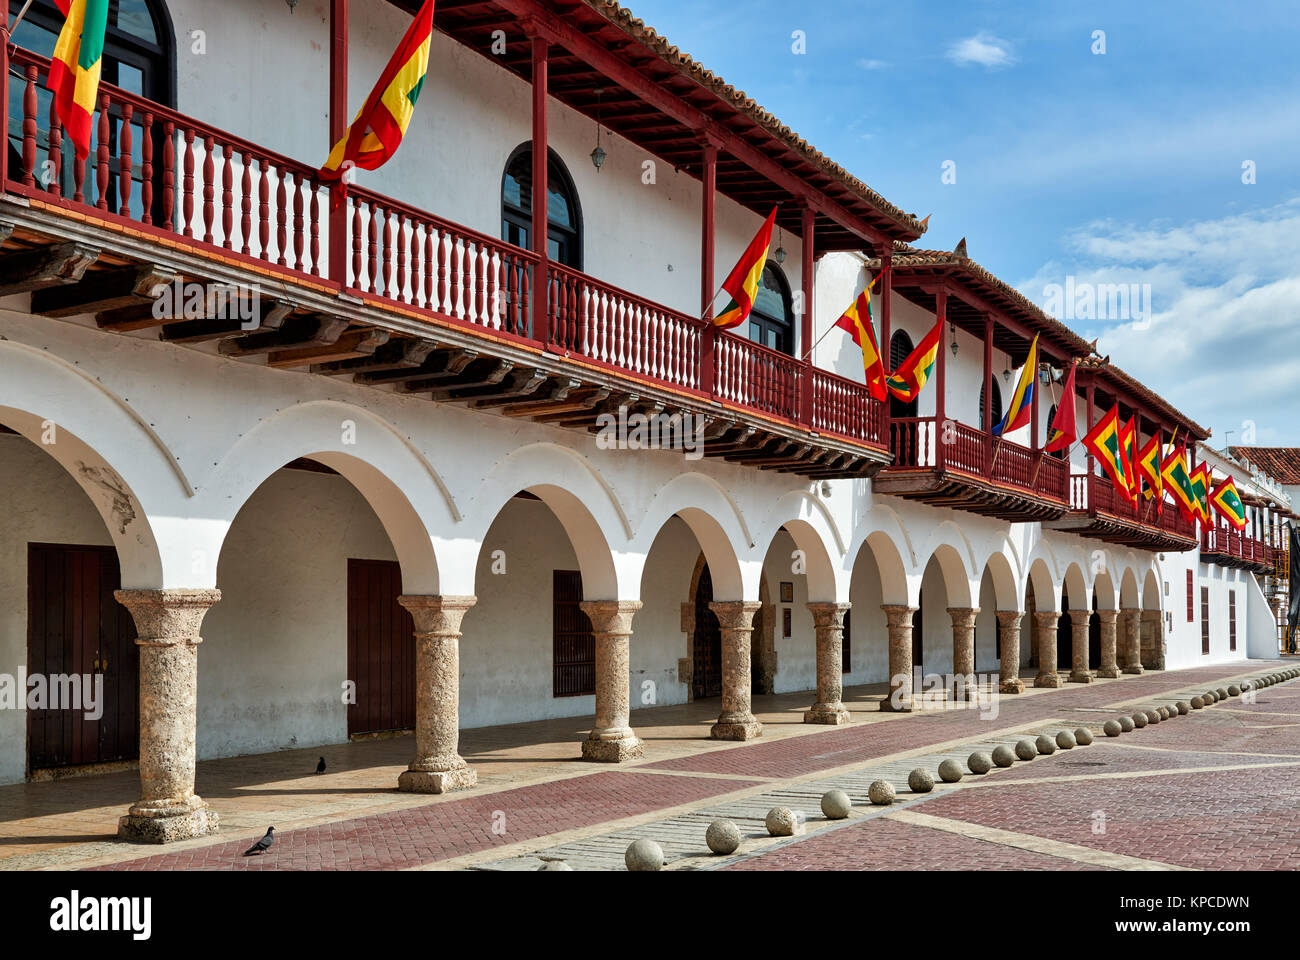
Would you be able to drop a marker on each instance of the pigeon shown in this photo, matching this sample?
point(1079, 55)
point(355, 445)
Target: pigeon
point(320, 767)
point(262, 845)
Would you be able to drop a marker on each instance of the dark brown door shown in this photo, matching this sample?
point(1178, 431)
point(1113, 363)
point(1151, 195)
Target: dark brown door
point(381, 649)
point(918, 637)
point(573, 646)
point(76, 627)
point(706, 671)
point(846, 645)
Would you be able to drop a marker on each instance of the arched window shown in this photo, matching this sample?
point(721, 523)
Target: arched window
point(900, 348)
point(997, 407)
point(771, 322)
point(139, 57)
point(564, 216)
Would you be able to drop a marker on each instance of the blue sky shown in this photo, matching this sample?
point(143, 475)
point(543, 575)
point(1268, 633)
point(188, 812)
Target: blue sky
point(1122, 167)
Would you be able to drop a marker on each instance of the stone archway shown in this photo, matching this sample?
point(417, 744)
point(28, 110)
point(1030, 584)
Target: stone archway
point(700, 624)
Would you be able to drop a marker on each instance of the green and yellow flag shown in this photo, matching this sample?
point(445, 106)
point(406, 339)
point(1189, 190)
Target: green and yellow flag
point(1178, 480)
point(1225, 500)
point(75, 67)
point(1201, 486)
point(1104, 442)
point(1148, 461)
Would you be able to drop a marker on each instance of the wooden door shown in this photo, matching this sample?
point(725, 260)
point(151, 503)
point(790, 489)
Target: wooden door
point(75, 626)
point(918, 637)
point(573, 645)
point(706, 671)
point(381, 649)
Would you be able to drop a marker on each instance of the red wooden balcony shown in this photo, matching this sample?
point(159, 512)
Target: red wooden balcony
point(383, 291)
point(1097, 510)
point(950, 464)
point(1232, 548)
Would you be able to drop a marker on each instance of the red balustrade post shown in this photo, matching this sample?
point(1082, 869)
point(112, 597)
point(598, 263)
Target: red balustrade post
point(4, 92)
point(940, 377)
point(988, 394)
point(103, 154)
point(29, 128)
point(804, 369)
point(541, 47)
point(124, 145)
point(55, 152)
point(338, 216)
point(146, 168)
point(708, 223)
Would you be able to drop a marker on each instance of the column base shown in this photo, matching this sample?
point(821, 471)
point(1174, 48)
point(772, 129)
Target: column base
point(736, 728)
point(1085, 677)
point(612, 751)
point(438, 781)
point(1108, 673)
point(1134, 670)
point(1012, 686)
point(183, 821)
point(1047, 680)
point(831, 714)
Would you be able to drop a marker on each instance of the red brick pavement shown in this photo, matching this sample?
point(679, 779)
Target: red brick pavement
point(1103, 758)
point(449, 828)
point(884, 844)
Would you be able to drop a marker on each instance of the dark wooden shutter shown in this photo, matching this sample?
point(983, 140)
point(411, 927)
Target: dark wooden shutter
point(381, 649)
point(706, 665)
point(1232, 619)
point(1205, 620)
point(1191, 609)
point(574, 646)
point(76, 626)
point(846, 645)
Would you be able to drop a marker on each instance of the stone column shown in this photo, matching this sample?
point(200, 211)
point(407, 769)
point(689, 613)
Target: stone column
point(963, 647)
point(1131, 652)
point(167, 626)
point(1109, 668)
point(1154, 655)
point(1079, 672)
point(899, 618)
point(828, 620)
point(736, 620)
point(1046, 621)
point(438, 766)
point(1009, 625)
point(612, 739)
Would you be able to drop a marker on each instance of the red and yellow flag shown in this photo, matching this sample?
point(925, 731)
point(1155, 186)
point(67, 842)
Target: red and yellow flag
point(1228, 504)
point(913, 373)
point(1103, 441)
point(1148, 461)
point(1201, 486)
point(377, 132)
point(857, 321)
point(1179, 481)
point(742, 282)
point(1064, 432)
point(1128, 456)
point(75, 67)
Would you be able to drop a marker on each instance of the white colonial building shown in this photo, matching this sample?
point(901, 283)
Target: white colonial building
point(380, 476)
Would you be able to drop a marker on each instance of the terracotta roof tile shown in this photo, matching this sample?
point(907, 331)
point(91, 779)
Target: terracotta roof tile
point(1280, 463)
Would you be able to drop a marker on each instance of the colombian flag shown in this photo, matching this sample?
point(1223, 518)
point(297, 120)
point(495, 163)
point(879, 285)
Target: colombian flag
point(911, 376)
point(1174, 471)
point(1228, 504)
point(382, 121)
point(76, 65)
point(857, 321)
point(742, 282)
point(1064, 432)
point(1022, 401)
point(1149, 467)
point(1103, 441)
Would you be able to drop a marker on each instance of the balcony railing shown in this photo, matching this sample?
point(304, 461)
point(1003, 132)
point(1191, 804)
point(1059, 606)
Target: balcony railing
point(1095, 494)
point(1236, 546)
point(162, 174)
point(920, 442)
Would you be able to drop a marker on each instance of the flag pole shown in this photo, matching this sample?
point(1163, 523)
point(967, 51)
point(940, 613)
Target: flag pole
point(1042, 453)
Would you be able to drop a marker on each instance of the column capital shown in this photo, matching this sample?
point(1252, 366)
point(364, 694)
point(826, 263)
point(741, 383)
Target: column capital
point(735, 614)
point(166, 617)
point(898, 614)
point(611, 617)
point(963, 616)
point(1108, 616)
point(1047, 618)
point(1009, 618)
point(437, 616)
point(826, 614)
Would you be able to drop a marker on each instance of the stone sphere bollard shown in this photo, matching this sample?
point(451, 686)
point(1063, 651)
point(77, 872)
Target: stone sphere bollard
point(881, 793)
point(836, 804)
point(1197, 703)
point(1139, 719)
point(1152, 717)
point(559, 865)
point(1221, 693)
point(1126, 724)
point(950, 771)
point(982, 763)
point(644, 854)
point(920, 781)
point(1209, 696)
point(1164, 713)
point(723, 837)
point(1183, 707)
point(1065, 740)
point(1083, 737)
point(1026, 750)
point(1003, 755)
point(1045, 745)
point(783, 822)
point(1112, 728)
point(1234, 691)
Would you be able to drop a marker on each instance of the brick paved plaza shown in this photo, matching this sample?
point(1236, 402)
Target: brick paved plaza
point(1214, 790)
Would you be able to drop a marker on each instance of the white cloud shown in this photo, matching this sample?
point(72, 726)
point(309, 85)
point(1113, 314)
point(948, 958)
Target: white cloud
point(872, 64)
point(1222, 342)
point(983, 49)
